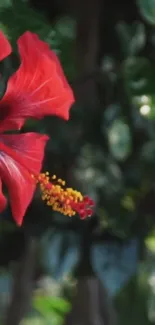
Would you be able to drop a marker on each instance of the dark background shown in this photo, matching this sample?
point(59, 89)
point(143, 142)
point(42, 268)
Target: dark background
point(101, 270)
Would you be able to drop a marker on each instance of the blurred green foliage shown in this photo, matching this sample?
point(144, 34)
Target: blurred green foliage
point(109, 152)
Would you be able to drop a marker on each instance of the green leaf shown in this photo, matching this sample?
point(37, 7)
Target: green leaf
point(152, 105)
point(137, 71)
point(150, 243)
point(47, 305)
point(128, 203)
point(148, 152)
point(60, 305)
point(132, 38)
point(42, 305)
point(138, 39)
point(119, 140)
point(35, 321)
point(19, 17)
point(66, 28)
point(147, 9)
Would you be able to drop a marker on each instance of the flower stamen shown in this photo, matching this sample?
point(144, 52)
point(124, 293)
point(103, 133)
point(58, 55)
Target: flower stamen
point(63, 199)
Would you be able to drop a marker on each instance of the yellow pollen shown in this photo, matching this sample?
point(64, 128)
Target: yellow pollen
point(63, 199)
point(56, 196)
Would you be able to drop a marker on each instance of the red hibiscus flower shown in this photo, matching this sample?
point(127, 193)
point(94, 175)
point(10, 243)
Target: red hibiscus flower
point(38, 88)
point(21, 155)
point(5, 47)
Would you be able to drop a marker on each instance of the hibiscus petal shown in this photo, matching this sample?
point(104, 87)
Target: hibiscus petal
point(3, 200)
point(44, 47)
point(20, 156)
point(26, 148)
point(38, 88)
point(5, 47)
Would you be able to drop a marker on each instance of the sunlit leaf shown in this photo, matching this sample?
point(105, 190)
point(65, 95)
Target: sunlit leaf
point(150, 242)
point(46, 305)
point(128, 203)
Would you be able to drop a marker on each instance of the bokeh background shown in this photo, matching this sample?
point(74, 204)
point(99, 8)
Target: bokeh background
point(56, 270)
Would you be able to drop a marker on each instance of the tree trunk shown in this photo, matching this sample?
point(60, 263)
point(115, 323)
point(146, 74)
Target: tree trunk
point(91, 305)
point(23, 284)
